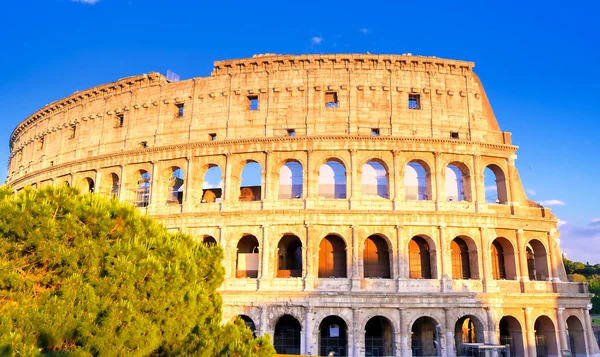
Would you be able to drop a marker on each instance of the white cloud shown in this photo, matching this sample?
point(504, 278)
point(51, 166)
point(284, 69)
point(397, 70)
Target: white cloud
point(581, 243)
point(552, 203)
point(561, 223)
point(365, 31)
point(596, 220)
point(317, 40)
point(490, 188)
point(89, 2)
point(531, 192)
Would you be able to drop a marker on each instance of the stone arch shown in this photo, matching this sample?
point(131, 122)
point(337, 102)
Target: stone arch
point(417, 180)
point(248, 322)
point(289, 257)
point(576, 336)
point(458, 182)
point(287, 335)
point(87, 185)
point(537, 260)
point(422, 258)
point(209, 240)
point(375, 178)
point(291, 179)
point(468, 329)
point(379, 336)
point(511, 334)
point(114, 183)
point(545, 337)
point(376, 257)
point(465, 259)
point(503, 259)
point(175, 185)
point(142, 188)
point(247, 257)
point(494, 180)
point(333, 336)
point(424, 334)
point(332, 257)
point(212, 184)
point(251, 181)
point(332, 179)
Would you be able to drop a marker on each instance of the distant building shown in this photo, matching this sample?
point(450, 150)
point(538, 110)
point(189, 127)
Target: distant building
point(367, 205)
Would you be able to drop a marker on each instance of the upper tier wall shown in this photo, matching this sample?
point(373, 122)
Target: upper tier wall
point(402, 96)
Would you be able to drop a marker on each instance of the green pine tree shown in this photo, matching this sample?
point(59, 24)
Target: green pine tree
point(81, 275)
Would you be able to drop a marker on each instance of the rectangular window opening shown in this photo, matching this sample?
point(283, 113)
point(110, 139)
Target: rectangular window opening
point(179, 110)
point(331, 100)
point(119, 121)
point(414, 101)
point(212, 136)
point(374, 131)
point(454, 135)
point(72, 132)
point(253, 102)
point(291, 132)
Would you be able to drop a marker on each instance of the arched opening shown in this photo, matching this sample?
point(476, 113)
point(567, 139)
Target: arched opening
point(332, 257)
point(247, 257)
point(545, 337)
point(212, 185)
point(375, 180)
point(251, 183)
point(332, 180)
point(537, 261)
point(249, 323)
point(503, 260)
point(142, 194)
point(417, 181)
point(424, 337)
point(512, 335)
point(175, 186)
point(287, 336)
point(464, 258)
point(210, 241)
point(114, 185)
point(420, 259)
point(289, 257)
point(576, 337)
point(468, 329)
point(333, 337)
point(379, 335)
point(290, 180)
point(458, 186)
point(376, 258)
point(495, 185)
point(86, 185)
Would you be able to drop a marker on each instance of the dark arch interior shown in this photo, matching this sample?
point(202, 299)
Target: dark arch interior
point(376, 258)
point(333, 336)
point(512, 335)
point(287, 336)
point(468, 329)
point(378, 337)
point(247, 257)
point(289, 257)
point(419, 259)
point(545, 337)
point(576, 337)
point(424, 336)
point(332, 257)
point(208, 240)
point(461, 267)
point(249, 323)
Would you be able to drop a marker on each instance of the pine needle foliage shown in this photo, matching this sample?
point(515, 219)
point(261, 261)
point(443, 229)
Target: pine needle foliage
point(82, 275)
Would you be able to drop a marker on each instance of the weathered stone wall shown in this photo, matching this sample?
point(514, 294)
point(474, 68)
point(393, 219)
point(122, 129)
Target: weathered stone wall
point(136, 125)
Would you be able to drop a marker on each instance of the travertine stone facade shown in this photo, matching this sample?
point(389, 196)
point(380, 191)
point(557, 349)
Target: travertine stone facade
point(331, 259)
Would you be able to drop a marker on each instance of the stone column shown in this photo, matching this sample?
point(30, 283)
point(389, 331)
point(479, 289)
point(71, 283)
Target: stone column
point(440, 195)
point(591, 339)
point(404, 351)
point(264, 323)
point(358, 337)
point(478, 190)
point(398, 183)
point(485, 261)
point(443, 254)
point(562, 329)
point(155, 193)
point(355, 250)
point(529, 333)
point(552, 258)
point(355, 192)
point(508, 180)
point(310, 274)
point(449, 332)
point(307, 180)
point(266, 180)
point(522, 257)
point(310, 344)
point(491, 326)
point(227, 178)
point(263, 263)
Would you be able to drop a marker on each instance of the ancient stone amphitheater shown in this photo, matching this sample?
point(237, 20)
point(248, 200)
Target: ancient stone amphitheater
point(367, 205)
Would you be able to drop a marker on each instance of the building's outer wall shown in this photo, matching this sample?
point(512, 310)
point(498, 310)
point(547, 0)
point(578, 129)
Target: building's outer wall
point(373, 93)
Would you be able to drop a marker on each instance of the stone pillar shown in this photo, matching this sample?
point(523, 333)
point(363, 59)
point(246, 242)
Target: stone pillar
point(404, 351)
point(355, 250)
point(552, 258)
point(591, 339)
point(310, 273)
point(266, 180)
point(398, 180)
point(355, 191)
point(309, 346)
point(450, 347)
point(227, 178)
point(493, 337)
point(263, 263)
point(508, 180)
point(485, 261)
point(444, 257)
point(401, 261)
point(562, 328)
point(264, 328)
point(440, 195)
point(478, 190)
point(529, 333)
point(155, 192)
point(307, 181)
point(358, 335)
point(521, 251)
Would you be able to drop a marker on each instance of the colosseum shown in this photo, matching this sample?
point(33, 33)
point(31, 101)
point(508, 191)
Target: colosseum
point(367, 205)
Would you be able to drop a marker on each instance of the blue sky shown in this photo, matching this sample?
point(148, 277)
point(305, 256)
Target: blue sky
point(539, 62)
